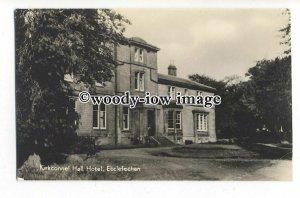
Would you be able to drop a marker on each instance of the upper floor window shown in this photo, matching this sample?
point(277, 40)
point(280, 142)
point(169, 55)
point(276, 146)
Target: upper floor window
point(172, 92)
point(139, 81)
point(138, 55)
point(186, 92)
point(199, 93)
point(201, 122)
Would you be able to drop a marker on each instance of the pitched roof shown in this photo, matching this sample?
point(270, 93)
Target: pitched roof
point(181, 82)
point(143, 43)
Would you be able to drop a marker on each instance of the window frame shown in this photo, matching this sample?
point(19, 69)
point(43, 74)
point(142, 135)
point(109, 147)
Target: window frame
point(186, 92)
point(202, 122)
point(174, 119)
point(172, 113)
point(98, 115)
point(141, 56)
point(138, 55)
point(172, 93)
point(99, 125)
point(139, 81)
point(104, 114)
point(199, 93)
point(128, 117)
point(180, 119)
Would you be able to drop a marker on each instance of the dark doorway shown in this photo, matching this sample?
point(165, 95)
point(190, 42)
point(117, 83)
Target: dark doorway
point(151, 122)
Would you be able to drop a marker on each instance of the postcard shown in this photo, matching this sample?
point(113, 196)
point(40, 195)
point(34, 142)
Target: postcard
point(153, 94)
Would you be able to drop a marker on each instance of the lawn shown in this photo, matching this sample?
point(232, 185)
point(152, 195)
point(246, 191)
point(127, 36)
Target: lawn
point(192, 162)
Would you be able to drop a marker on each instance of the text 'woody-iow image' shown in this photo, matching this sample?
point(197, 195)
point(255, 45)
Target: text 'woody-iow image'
point(153, 94)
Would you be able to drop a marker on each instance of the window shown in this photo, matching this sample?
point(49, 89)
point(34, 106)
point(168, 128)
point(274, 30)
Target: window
point(95, 116)
point(139, 81)
point(199, 93)
point(99, 116)
point(186, 92)
point(102, 116)
point(172, 92)
point(125, 118)
point(70, 110)
point(138, 55)
point(141, 57)
point(71, 107)
point(171, 120)
point(201, 122)
point(178, 120)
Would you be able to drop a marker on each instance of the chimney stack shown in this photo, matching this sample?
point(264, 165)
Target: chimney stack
point(172, 70)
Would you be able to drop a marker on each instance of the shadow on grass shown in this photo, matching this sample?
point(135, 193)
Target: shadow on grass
point(268, 152)
point(217, 151)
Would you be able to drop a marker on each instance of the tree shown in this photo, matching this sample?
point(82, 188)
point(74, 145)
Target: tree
point(286, 33)
point(50, 44)
point(206, 80)
point(264, 101)
point(234, 117)
point(272, 93)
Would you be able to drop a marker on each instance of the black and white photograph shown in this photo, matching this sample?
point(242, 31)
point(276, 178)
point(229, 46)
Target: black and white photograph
point(178, 94)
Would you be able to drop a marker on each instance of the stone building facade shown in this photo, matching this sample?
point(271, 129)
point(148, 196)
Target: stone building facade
point(137, 73)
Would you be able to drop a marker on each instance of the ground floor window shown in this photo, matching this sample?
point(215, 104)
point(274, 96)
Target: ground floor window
point(99, 116)
point(70, 107)
point(174, 117)
point(71, 110)
point(201, 122)
point(178, 119)
point(125, 118)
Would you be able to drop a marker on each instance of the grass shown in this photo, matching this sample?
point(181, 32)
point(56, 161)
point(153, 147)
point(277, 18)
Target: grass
point(267, 152)
point(190, 162)
point(208, 151)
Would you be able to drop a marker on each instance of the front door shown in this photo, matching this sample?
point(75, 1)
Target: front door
point(151, 122)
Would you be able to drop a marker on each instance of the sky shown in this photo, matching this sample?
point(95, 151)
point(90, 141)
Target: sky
point(214, 42)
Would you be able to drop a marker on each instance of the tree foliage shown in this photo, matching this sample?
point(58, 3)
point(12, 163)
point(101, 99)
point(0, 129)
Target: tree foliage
point(52, 43)
point(233, 116)
point(272, 93)
point(286, 33)
point(264, 102)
